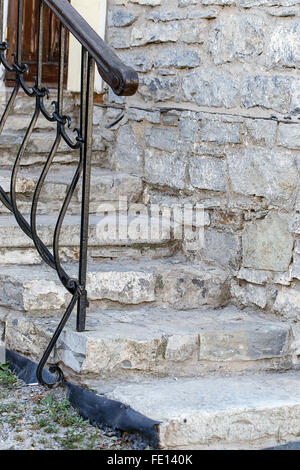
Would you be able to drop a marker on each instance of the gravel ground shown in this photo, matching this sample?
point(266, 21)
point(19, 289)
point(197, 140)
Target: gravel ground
point(34, 418)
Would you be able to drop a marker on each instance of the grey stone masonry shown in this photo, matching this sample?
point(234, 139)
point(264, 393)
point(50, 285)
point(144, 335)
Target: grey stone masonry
point(216, 122)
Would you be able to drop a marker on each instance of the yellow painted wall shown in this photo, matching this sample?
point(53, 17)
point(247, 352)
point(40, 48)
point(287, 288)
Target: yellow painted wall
point(94, 11)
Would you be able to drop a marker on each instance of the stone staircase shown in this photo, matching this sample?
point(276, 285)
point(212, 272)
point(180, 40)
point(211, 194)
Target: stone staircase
point(162, 335)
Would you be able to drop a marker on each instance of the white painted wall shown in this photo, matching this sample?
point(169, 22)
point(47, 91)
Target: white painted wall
point(94, 11)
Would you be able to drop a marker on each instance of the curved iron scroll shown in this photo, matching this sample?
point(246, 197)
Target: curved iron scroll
point(82, 141)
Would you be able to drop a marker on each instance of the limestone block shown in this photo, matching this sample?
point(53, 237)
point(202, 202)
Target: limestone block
point(220, 132)
point(211, 88)
point(259, 172)
point(268, 244)
point(284, 45)
point(287, 303)
point(161, 138)
point(236, 37)
point(124, 287)
point(177, 58)
point(207, 173)
point(271, 92)
point(249, 294)
point(182, 347)
point(289, 136)
point(165, 169)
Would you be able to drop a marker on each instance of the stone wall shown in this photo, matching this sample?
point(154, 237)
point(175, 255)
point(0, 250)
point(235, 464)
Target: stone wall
point(217, 121)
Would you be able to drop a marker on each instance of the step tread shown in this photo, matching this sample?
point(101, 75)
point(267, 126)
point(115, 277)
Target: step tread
point(227, 412)
point(155, 323)
point(153, 266)
point(64, 176)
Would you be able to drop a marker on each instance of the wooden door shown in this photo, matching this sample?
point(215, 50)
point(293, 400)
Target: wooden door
point(29, 48)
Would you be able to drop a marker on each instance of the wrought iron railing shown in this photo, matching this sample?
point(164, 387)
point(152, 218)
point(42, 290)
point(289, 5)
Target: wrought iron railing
point(123, 80)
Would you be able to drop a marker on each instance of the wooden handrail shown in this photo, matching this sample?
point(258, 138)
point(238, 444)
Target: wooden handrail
point(121, 78)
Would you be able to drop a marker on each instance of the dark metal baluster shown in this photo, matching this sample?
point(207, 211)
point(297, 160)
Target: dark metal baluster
point(87, 100)
point(71, 284)
point(2, 18)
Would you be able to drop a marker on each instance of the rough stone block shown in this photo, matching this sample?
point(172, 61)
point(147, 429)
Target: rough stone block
point(211, 88)
point(188, 288)
point(161, 138)
point(261, 132)
point(128, 154)
point(220, 132)
point(287, 303)
point(207, 173)
point(165, 169)
point(158, 88)
point(120, 18)
point(182, 347)
point(123, 287)
point(167, 15)
point(284, 45)
point(254, 276)
point(155, 33)
point(249, 295)
point(177, 58)
point(188, 129)
point(271, 92)
point(236, 37)
point(259, 172)
point(222, 248)
point(289, 135)
point(268, 244)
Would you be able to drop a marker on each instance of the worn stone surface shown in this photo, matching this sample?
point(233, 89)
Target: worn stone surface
point(261, 132)
point(235, 413)
point(190, 287)
point(175, 343)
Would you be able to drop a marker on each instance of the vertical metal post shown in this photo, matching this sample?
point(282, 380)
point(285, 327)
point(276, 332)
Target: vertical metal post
point(62, 49)
point(19, 31)
point(1, 20)
point(87, 100)
point(40, 44)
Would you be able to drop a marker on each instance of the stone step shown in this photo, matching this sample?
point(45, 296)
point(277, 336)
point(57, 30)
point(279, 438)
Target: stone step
point(104, 230)
point(40, 145)
point(175, 284)
point(106, 187)
point(24, 105)
point(129, 345)
point(250, 412)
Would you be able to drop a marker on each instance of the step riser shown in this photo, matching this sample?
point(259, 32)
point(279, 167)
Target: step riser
point(178, 289)
point(106, 190)
point(29, 256)
point(85, 356)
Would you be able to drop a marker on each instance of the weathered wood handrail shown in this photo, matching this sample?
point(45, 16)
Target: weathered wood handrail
point(121, 78)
